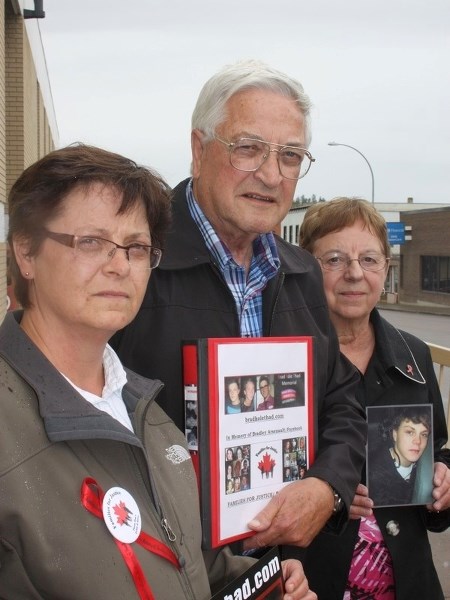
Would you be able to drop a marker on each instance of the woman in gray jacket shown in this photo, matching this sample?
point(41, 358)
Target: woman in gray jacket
point(98, 496)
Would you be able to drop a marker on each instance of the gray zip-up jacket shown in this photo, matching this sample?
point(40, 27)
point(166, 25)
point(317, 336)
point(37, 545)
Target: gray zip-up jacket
point(51, 439)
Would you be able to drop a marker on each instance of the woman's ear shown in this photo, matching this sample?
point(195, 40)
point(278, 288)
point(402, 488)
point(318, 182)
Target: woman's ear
point(394, 435)
point(21, 248)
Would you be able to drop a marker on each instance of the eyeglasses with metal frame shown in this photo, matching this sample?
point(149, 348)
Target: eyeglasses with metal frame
point(338, 261)
point(98, 250)
point(249, 154)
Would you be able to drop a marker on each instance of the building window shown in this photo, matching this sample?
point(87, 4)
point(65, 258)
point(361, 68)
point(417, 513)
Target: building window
point(436, 273)
point(297, 229)
point(285, 232)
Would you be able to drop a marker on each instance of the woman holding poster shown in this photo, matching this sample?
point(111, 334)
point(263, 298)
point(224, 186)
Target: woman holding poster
point(373, 559)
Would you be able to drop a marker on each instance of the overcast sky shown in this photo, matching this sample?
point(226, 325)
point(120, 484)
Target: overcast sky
point(125, 75)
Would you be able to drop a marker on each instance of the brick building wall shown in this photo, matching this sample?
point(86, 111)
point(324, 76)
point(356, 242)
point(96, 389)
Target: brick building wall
point(2, 163)
point(25, 132)
point(430, 238)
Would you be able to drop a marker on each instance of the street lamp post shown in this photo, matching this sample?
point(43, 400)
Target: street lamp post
point(368, 164)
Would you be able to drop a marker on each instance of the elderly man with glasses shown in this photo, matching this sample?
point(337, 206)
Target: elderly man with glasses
point(225, 274)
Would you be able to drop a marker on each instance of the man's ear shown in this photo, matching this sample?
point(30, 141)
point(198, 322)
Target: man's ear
point(197, 149)
point(21, 248)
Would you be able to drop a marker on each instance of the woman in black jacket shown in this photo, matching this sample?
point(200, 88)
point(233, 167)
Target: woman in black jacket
point(384, 553)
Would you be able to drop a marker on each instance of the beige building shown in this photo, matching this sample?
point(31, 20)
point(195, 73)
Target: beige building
point(425, 258)
point(28, 127)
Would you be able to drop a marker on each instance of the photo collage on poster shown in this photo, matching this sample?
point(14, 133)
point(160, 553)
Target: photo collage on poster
point(294, 458)
point(263, 392)
point(191, 416)
point(240, 470)
point(237, 469)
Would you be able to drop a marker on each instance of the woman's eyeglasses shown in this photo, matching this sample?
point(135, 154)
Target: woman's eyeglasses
point(98, 251)
point(338, 261)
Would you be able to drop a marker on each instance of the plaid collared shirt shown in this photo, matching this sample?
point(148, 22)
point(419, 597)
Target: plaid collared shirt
point(246, 291)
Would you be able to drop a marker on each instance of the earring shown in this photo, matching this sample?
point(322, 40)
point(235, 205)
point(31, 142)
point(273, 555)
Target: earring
point(395, 458)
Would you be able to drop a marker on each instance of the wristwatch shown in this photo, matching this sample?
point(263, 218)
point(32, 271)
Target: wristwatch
point(338, 502)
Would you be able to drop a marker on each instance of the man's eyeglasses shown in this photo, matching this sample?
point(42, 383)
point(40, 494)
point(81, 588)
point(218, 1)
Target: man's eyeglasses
point(248, 154)
point(98, 251)
point(338, 261)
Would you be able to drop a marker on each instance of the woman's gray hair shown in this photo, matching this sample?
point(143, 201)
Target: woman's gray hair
point(210, 109)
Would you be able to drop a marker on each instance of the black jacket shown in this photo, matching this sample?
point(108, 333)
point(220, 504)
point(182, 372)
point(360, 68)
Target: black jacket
point(187, 299)
point(387, 381)
point(386, 485)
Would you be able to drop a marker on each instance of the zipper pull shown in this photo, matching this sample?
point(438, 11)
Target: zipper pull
point(167, 528)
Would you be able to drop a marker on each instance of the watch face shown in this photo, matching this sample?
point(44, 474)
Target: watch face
point(338, 503)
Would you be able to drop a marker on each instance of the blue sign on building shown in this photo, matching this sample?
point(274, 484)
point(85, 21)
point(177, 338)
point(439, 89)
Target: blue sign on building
point(396, 233)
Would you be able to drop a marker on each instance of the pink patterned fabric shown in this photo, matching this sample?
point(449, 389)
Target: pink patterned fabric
point(371, 575)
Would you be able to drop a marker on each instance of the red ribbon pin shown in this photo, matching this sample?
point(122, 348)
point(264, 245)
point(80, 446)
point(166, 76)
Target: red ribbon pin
point(92, 499)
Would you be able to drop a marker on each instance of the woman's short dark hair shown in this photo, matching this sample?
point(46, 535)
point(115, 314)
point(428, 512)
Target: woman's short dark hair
point(415, 414)
point(38, 195)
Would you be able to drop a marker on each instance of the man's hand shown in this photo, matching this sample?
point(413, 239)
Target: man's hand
point(441, 490)
point(361, 505)
point(294, 516)
point(296, 584)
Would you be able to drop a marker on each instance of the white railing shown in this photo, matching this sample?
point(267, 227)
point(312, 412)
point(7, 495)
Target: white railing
point(441, 358)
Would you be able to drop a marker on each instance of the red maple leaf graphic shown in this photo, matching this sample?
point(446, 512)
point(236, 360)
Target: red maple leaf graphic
point(122, 513)
point(267, 464)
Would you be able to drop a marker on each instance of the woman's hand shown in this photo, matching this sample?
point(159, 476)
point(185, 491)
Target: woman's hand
point(296, 584)
point(361, 505)
point(441, 490)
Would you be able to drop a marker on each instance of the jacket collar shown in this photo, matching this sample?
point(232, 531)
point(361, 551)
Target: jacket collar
point(185, 247)
point(395, 351)
point(65, 413)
